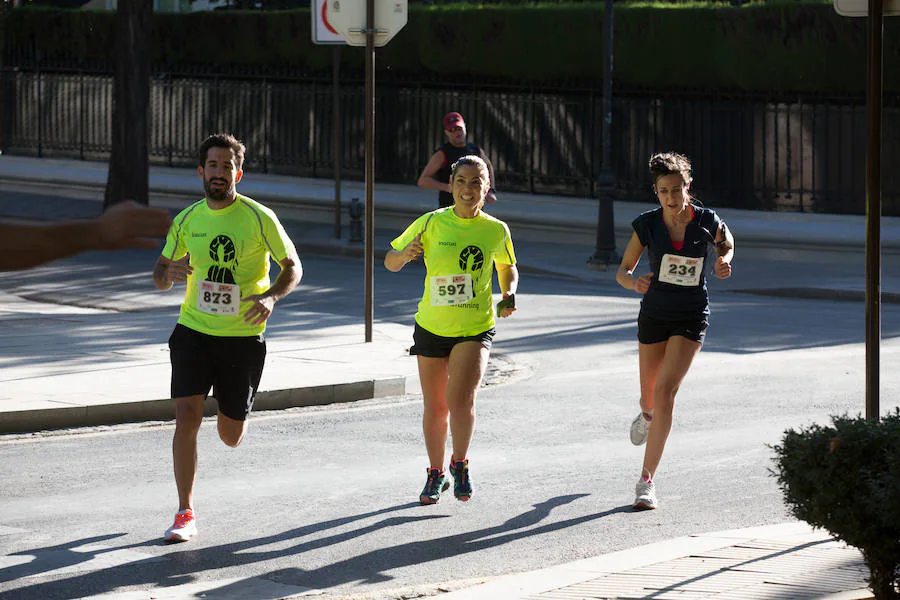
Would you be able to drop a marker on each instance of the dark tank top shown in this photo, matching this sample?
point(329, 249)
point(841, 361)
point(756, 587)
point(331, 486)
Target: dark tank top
point(451, 155)
point(686, 298)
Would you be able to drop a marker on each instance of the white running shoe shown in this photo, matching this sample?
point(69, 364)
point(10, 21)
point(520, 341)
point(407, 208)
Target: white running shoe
point(184, 527)
point(640, 427)
point(644, 495)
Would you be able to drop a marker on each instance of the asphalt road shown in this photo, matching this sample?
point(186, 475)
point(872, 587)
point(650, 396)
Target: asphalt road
point(324, 498)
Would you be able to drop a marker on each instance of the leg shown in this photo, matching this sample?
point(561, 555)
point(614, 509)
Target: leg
point(231, 431)
point(679, 354)
point(468, 361)
point(188, 416)
point(650, 357)
point(433, 375)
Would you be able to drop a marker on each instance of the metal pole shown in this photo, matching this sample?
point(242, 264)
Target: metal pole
point(605, 251)
point(370, 165)
point(336, 135)
point(873, 207)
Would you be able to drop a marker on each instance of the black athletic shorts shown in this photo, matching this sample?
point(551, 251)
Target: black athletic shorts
point(231, 366)
point(652, 330)
point(428, 344)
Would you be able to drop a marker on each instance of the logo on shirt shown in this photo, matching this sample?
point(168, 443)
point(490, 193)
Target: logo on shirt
point(199, 235)
point(453, 244)
point(222, 250)
point(473, 254)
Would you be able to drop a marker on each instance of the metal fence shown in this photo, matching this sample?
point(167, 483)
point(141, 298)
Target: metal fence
point(749, 152)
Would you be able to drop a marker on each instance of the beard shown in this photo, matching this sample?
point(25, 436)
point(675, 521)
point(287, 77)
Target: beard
point(218, 194)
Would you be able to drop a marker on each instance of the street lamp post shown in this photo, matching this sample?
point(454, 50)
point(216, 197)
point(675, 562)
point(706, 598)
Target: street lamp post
point(605, 250)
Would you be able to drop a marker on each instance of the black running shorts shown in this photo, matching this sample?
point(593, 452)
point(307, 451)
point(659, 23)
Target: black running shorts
point(428, 344)
point(652, 330)
point(231, 366)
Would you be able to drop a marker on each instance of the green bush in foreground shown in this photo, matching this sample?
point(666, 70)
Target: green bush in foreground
point(846, 480)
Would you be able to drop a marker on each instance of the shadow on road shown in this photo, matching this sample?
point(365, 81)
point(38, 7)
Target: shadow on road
point(183, 566)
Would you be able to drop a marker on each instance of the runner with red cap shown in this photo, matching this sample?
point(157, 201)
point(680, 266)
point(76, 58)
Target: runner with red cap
point(436, 174)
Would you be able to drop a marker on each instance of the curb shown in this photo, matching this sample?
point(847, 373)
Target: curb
point(551, 580)
point(25, 421)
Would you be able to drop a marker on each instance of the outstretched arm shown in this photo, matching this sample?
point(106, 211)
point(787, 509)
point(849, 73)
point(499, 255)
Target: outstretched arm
point(125, 225)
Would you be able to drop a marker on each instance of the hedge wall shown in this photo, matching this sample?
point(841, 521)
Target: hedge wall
point(800, 48)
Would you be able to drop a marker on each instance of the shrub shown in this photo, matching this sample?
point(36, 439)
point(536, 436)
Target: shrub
point(846, 479)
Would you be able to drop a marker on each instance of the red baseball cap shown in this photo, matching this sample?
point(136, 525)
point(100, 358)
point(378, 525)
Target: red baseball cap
point(453, 119)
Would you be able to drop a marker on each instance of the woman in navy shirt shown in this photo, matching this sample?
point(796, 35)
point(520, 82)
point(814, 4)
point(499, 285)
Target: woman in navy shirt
point(679, 237)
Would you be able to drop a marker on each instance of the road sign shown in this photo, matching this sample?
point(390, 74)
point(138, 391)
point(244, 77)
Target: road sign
point(323, 32)
point(348, 17)
point(860, 8)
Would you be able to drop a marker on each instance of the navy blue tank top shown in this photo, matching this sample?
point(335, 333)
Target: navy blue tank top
point(678, 290)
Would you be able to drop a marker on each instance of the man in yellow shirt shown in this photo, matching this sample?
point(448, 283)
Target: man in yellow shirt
point(218, 341)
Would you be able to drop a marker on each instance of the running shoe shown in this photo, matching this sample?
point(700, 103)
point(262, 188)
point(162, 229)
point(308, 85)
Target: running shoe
point(462, 485)
point(644, 495)
point(437, 482)
point(184, 527)
point(640, 427)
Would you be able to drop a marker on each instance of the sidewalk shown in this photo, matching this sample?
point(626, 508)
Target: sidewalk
point(112, 366)
point(785, 562)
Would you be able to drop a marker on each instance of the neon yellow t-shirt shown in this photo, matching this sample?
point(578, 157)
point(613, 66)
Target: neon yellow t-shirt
point(228, 246)
point(454, 248)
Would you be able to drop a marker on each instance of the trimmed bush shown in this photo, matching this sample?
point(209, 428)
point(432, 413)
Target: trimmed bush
point(845, 479)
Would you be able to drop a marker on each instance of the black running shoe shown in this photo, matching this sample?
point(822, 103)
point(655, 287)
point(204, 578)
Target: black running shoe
point(462, 485)
point(437, 482)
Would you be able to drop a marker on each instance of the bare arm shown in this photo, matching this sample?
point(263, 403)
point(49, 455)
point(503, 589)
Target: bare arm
point(397, 259)
point(625, 274)
point(725, 250)
point(427, 180)
point(167, 272)
point(508, 277)
point(126, 225)
point(287, 280)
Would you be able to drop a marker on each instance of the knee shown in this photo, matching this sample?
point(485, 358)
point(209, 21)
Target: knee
point(664, 397)
point(188, 417)
point(231, 431)
point(438, 414)
point(232, 439)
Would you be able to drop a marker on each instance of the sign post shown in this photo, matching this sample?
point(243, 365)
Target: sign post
point(876, 10)
point(368, 23)
point(324, 33)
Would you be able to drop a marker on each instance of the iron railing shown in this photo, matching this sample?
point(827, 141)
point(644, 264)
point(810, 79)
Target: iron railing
point(748, 151)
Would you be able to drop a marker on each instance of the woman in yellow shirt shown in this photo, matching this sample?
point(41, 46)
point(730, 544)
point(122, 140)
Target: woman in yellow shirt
point(455, 318)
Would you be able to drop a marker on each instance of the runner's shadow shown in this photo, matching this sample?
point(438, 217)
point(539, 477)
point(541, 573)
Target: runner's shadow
point(372, 567)
point(179, 566)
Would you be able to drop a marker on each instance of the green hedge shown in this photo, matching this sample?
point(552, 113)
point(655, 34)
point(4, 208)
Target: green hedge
point(788, 48)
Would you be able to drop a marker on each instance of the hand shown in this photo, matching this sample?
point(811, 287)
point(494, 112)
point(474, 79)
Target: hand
point(642, 283)
point(131, 225)
point(178, 270)
point(490, 197)
point(723, 269)
point(507, 310)
point(413, 249)
point(261, 309)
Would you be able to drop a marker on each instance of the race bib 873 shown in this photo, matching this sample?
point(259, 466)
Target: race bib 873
point(218, 298)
